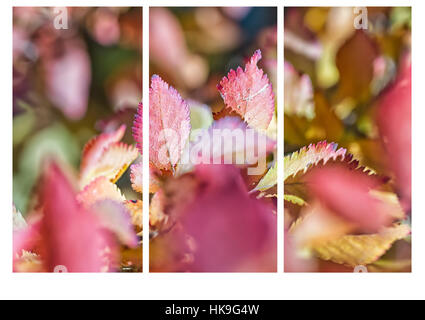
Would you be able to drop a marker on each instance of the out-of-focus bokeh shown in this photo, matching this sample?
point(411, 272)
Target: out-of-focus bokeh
point(193, 48)
point(335, 72)
point(69, 84)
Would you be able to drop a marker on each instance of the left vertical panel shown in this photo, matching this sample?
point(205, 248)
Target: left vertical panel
point(77, 83)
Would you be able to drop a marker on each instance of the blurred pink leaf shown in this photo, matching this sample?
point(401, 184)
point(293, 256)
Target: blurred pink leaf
point(249, 93)
point(106, 28)
point(168, 50)
point(395, 127)
point(165, 33)
point(232, 232)
point(67, 235)
point(68, 80)
point(347, 193)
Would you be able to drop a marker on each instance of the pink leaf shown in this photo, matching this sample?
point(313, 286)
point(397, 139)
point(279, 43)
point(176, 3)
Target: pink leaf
point(249, 93)
point(99, 189)
point(169, 124)
point(395, 126)
point(232, 232)
point(71, 236)
point(347, 193)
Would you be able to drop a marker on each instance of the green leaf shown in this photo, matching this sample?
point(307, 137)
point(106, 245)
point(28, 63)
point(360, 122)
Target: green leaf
point(354, 250)
point(269, 180)
point(294, 199)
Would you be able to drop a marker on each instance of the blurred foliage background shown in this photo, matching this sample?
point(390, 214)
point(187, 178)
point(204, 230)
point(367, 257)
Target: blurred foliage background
point(193, 48)
point(334, 74)
point(70, 84)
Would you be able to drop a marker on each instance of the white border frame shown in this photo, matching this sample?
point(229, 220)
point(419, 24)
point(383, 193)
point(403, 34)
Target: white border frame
point(208, 285)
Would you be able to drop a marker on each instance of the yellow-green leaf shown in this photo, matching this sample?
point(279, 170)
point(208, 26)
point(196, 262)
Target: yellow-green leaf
point(354, 250)
point(269, 179)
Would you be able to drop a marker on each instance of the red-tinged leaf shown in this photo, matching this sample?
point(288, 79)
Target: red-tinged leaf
point(138, 128)
point(394, 122)
point(71, 236)
point(113, 162)
point(230, 230)
point(249, 93)
point(307, 157)
point(347, 194)
point(169, 125)
point(322, 154)
point(94, 149)
point(136, 177)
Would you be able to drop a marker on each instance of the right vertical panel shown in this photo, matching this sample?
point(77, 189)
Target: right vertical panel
point(347, 139)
